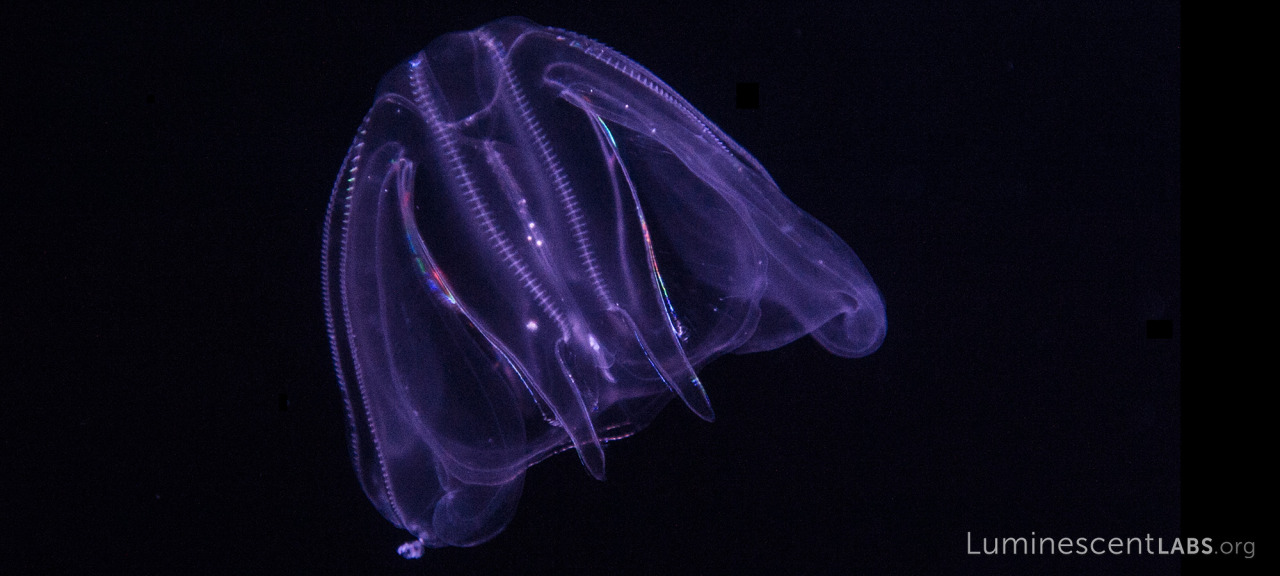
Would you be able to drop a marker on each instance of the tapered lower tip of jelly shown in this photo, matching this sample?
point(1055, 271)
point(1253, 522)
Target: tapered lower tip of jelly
point(695, 397)
point(592, 456)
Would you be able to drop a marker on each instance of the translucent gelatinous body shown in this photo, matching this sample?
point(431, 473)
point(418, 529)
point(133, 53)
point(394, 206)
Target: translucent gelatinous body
point(532, 246)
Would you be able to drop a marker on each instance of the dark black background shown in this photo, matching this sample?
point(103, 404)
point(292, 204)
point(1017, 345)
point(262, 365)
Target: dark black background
point(1009, 173)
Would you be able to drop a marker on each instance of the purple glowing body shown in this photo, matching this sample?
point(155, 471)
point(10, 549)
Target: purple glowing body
point(532, 246)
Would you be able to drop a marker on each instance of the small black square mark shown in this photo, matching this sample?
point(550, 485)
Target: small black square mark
point(748, 95)
point(1159, 329)
point(284, 402)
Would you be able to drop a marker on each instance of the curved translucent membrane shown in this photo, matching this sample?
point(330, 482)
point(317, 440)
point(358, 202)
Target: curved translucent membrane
point(532, 246)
